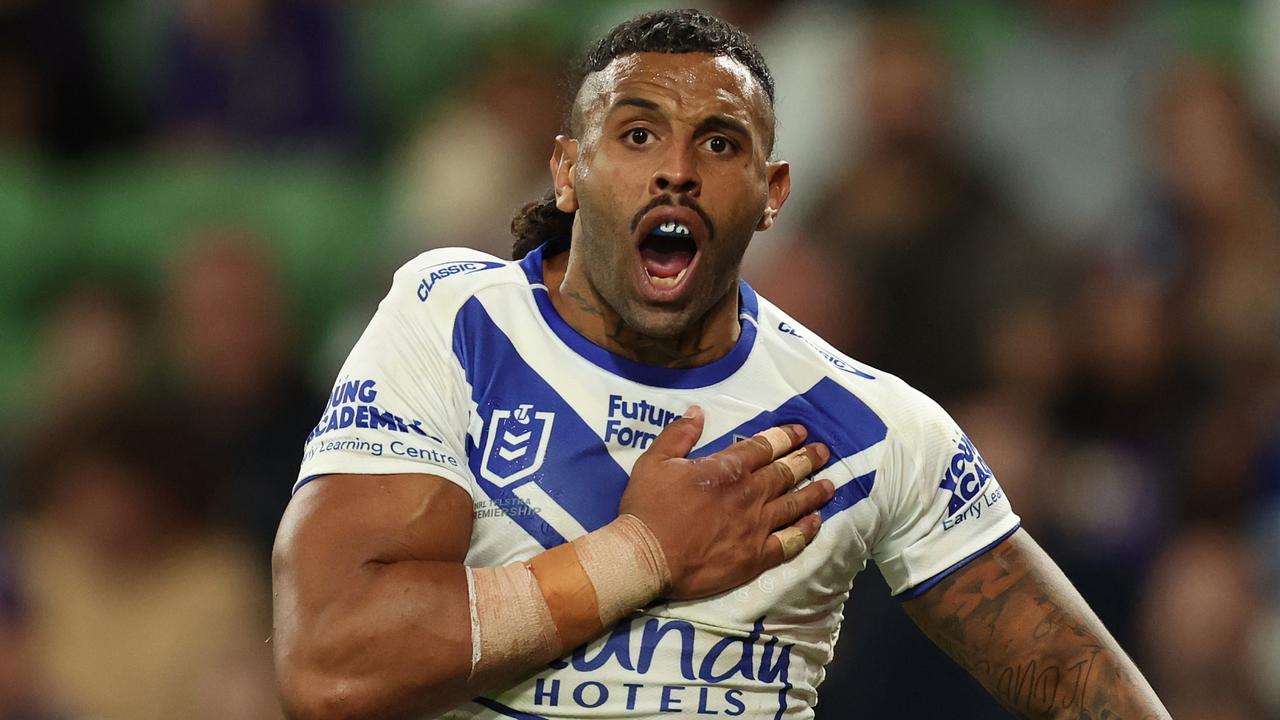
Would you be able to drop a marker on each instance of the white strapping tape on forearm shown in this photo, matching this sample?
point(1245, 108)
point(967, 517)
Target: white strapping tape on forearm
point(526, 614)
point(626, 565)
point(475, 618)
point(510, 621)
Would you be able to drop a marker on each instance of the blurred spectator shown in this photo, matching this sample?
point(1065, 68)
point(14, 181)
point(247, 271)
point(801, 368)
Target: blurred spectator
point(482, 155)
point(261, 74)
point(1262, 56)
point(1120, 421)
point(92, 346)
point(1199, 625)
point(1058, 106)
point(819, 112)
point(1266, 540)
point(51, 80)
point(916, 244)
point(20, 689)
point(1221, 180)
point(137, 611)
point(1221, 238)
point(230, 342)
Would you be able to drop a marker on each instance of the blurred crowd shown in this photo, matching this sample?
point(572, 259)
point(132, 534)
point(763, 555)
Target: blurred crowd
point(1060, 218)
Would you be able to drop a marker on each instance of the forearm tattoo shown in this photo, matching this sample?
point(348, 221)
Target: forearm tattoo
point(1017, 625)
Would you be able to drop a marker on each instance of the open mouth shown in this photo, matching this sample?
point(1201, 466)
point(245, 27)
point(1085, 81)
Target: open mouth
point(667, 245)
point(667, 252)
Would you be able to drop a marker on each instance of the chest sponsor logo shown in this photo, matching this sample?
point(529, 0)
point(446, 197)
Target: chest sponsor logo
point(436, 273)
point(515, 444)
point(967, 479)
point(619, 673)
point(839, 362)
point(635, 423)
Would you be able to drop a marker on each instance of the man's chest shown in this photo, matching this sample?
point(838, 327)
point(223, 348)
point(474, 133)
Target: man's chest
point(550, 455)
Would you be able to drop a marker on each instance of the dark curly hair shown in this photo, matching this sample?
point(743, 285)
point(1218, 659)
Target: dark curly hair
point(667, 31)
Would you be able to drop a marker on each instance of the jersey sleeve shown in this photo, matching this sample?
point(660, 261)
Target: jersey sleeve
point(400, 403)
point(941, 506)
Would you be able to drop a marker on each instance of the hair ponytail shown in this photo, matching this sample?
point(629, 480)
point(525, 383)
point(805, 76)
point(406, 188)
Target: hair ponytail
point(537, 222)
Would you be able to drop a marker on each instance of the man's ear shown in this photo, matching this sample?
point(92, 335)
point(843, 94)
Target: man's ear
point(778, 173)
point(563, 160)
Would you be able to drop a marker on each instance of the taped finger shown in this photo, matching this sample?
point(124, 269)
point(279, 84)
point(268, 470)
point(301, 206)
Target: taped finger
point(794, 468)
point(777, 439)
point(792, 539)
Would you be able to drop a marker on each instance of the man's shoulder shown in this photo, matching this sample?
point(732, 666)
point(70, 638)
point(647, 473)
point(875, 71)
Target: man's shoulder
point(901, 406)
point(444, 278)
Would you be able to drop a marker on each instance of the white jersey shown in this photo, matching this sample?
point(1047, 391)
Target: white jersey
point(468, 373)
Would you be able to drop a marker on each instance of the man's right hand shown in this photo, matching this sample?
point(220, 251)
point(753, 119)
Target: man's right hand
point(372, 614)
point(714, 516)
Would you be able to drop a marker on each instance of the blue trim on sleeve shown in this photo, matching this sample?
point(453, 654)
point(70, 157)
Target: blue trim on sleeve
point(298, 485)
point(924, 587)
point(501, 709)
point(673, 378)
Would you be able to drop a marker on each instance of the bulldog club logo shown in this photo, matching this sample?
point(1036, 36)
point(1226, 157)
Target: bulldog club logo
point(515, 444)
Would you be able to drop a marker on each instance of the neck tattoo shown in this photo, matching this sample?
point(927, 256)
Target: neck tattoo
point(584, 310)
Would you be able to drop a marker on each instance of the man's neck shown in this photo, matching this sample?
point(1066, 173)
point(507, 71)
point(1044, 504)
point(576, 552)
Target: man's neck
point(705, 340)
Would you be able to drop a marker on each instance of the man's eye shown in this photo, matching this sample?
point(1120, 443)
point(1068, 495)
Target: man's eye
point(719, 145)
point(639, 136)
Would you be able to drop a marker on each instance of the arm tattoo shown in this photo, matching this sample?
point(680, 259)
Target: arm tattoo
point(1017, 625)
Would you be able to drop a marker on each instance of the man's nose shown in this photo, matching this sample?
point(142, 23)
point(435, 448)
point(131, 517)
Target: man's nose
point(677, 174)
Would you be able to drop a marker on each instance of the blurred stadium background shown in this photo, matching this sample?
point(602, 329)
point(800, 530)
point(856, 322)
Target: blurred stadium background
point(1060, 218)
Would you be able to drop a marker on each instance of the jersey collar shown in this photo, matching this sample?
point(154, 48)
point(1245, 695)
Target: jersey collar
point(676, 378)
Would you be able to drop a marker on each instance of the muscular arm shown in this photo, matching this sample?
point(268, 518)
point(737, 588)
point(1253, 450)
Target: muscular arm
point(371, 607)
point(373, 615)
point(1014, 621)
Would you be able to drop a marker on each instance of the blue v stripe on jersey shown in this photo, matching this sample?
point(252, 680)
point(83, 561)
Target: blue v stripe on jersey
point(833, 416)
point(501, 380)
point(830, 413)
point(848, 495)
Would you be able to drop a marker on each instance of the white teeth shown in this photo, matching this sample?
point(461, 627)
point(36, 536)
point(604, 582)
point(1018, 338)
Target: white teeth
point(667, 282)
point(672, 226)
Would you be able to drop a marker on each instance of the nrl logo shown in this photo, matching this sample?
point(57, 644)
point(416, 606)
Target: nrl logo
point(515, 444)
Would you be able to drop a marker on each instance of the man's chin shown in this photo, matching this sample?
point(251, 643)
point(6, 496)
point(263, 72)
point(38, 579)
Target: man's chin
point(665, 322)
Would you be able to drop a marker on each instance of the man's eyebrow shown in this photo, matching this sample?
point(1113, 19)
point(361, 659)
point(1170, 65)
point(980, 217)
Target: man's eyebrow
point(724, 123)
point(634, 102)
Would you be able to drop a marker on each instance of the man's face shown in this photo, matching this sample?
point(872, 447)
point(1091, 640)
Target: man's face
point(670, 177)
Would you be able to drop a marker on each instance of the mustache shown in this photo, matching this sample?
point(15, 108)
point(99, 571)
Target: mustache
point(674, 201)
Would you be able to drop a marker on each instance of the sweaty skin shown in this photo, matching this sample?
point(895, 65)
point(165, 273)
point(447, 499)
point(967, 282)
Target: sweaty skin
point(694, 130)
